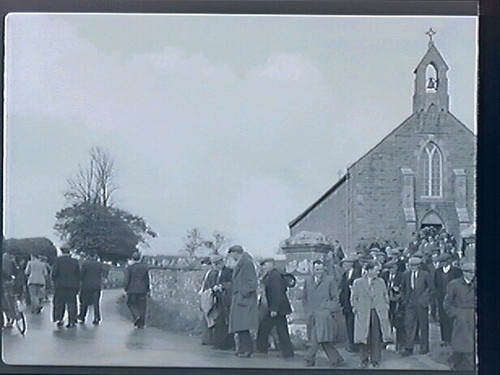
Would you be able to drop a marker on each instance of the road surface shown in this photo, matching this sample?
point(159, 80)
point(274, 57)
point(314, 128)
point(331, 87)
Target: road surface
point(117, 343)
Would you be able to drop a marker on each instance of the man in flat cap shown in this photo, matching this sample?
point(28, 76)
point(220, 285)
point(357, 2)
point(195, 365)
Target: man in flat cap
point(352, 271)
point(137, 289)
point(459, 303)
point(278, 307)
point(444, 274)
point(244, 310)
point(394, 279)
point(417, 289)
point(207, 302)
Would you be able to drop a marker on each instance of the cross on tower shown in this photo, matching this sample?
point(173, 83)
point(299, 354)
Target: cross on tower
point(431, 33)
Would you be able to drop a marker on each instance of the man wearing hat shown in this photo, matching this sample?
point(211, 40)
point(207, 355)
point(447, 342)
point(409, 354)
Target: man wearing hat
point(221, 338)
point(394, 279)
point(66, 278)
point(137, 288)
point(278, 307)
point(444, 274)
point(417, 288)
point(459, 303)
point(207, 301)
point(244, 310)
point(352, 271)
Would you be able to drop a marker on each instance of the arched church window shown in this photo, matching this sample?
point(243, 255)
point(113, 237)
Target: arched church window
point(432, 168)
point(431, 78)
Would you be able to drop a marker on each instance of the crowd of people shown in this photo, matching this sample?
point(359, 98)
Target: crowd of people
point(366, 302)
point(72, 281)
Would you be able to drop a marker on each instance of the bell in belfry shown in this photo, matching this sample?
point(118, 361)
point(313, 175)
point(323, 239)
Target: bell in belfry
point(432, 83)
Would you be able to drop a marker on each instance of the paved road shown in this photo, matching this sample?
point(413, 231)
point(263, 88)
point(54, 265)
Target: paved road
point(117, 343)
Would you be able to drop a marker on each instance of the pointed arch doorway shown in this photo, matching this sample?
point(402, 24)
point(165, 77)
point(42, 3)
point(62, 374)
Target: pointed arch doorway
point(432, 219)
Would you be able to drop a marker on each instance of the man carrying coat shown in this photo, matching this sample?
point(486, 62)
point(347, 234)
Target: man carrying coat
point(370, 304)
point(459, 303)
point(326, 325)
point(417, 289)
point(66, 278)
point(91, 285)
point(137, 289)
point(278, 307)
point(243, 315)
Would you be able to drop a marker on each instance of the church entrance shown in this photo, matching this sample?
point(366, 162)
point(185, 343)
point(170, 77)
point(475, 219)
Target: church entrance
point(432, 219)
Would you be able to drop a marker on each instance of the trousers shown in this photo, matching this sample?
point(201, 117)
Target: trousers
point(265, 327)
point(136, 303)
point(64, 299)
point(372, 350)
point(90, 298)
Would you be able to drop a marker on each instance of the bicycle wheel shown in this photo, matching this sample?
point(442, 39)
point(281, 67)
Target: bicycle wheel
point(21, 324)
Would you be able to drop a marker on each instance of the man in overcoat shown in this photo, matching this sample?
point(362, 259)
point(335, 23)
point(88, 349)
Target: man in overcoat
point(417, 289)
point(278, 307)
point(206, 294)
point(370, 304)
point(326, 325)
point(444, 274)
point(92, 272)
point(137, 288)
point(459, 303)
point(222, 339)
point(350, 274)
point(244, 310)
point(393, 279)
point(66, 278)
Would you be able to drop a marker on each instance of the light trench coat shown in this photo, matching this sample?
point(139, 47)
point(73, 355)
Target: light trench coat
point(363, 299)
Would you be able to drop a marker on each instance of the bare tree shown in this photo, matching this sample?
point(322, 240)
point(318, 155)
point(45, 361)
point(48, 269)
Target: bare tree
point(192, 241)
point(94, 183)
point(217, 242)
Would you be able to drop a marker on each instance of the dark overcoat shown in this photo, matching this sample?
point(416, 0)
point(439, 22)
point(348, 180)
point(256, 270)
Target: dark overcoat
point(66, 272)
point(442, 279)
point(459, 303)
point(345, 289)
point(244, 310)
point(137, 278)
point(91, 275)
point(424, 288)
point(322, 306)
point(275, 288)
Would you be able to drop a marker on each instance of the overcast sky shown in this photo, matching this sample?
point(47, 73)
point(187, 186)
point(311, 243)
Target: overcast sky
point(228, 123)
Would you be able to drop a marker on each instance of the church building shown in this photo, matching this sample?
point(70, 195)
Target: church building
point(421, 174)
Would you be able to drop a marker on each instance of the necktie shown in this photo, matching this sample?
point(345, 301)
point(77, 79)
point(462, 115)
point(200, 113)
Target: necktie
point(413, 275)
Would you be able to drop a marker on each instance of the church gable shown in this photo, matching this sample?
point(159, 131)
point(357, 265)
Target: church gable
point(421, 171)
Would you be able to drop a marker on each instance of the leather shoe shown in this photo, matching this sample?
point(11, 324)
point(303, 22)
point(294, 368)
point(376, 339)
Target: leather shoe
point(245, 355)
point(375, 364)
point(70, 325)
point(423, 352)
point(310, 364)
point(363, 364)
point(339, 363)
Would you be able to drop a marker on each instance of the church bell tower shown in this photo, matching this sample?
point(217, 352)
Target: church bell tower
point(431, 83)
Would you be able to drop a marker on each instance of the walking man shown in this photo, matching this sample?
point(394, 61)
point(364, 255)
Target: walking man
point(325, 324)
point(90, 292)
point(36, 272)
point(370, 304)
point(66, 278)
point(444, 274)
point(137, 289)
point(459, 304)
point(244, 311)
point(278, 308)
point(351, 273)
point(417, 289)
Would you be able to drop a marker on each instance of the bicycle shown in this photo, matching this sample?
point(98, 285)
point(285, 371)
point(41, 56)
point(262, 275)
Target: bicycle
point(16, 307)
